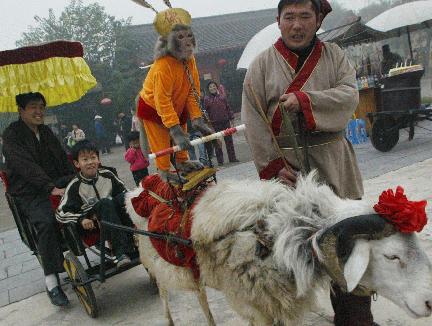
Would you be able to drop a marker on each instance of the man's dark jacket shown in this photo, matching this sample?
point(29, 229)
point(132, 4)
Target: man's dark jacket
point(30, 169)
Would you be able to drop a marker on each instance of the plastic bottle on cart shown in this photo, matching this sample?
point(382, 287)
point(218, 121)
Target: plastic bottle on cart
point(370, 81)
point(376, 81)
point(351, 132)
point(361, 131)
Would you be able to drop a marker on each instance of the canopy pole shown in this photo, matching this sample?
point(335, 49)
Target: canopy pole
point(409, 44)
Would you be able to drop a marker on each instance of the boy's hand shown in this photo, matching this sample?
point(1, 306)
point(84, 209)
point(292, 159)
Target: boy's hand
point(57, 192)
point(87, 224)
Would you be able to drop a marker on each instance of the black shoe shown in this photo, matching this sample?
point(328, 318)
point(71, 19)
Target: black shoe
point(235, 161)
point(58, 297)
point(123, 260)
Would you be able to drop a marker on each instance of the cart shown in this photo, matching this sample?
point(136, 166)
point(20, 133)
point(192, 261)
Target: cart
point(75, 244)
point(399, 107)
point(82, 273)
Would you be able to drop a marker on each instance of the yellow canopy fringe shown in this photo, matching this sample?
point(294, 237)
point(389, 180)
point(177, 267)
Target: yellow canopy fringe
point(59, 79)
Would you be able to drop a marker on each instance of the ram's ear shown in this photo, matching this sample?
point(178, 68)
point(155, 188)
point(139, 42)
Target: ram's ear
point(357, 263)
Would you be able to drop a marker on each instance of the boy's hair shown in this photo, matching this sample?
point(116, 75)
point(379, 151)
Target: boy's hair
point(23, 99)
point(316, 4)
point(133, 135)
point(83, 146)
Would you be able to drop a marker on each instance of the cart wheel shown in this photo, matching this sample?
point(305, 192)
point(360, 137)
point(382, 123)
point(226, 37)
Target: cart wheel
point(77, 275)
point(385, 134)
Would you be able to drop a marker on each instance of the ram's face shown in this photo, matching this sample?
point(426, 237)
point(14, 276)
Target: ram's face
point(367, 254)
point(396, 268)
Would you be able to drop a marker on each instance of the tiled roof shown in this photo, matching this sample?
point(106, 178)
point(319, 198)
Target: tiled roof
point(350, 33)
point(212, 33)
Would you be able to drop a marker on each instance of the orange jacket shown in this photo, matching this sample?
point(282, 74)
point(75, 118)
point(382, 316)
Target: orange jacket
point(168, 90)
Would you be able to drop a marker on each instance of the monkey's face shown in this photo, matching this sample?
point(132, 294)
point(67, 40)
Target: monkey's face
point(181, 43)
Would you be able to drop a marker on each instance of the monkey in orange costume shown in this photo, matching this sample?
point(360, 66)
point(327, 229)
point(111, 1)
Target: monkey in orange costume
point(170, 96)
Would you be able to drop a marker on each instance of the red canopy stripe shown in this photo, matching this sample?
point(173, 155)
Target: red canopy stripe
point(29, 54)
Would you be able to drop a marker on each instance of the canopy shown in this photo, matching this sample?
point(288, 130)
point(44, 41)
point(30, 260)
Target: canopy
point(56, 69)
point(408, 14)
point(260, 42)
point(402, 17)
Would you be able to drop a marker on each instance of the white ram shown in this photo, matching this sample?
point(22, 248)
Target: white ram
point(310, 236)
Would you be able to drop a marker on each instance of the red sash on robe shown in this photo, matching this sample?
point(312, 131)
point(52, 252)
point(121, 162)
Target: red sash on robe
point(273, 168)
point(298, 82)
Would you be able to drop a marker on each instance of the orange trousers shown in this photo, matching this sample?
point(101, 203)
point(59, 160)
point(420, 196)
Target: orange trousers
point(159, 138)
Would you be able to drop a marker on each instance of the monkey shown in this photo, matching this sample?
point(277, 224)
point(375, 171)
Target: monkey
point(170, 90)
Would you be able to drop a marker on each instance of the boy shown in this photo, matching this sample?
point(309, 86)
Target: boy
point(96, 194)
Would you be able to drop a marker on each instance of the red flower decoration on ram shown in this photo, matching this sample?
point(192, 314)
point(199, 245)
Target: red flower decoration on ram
point(408, 216)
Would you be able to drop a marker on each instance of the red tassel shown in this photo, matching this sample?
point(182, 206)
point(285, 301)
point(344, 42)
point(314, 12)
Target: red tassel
point(407, 216)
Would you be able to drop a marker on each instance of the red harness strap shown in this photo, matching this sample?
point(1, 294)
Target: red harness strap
point(171, 220)
point(158, 202)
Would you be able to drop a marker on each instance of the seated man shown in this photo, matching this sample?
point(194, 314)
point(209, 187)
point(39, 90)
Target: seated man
point(37, 167)
point(96, 194)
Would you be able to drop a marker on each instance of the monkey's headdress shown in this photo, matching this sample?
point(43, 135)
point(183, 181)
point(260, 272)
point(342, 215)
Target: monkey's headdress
point(165, 20)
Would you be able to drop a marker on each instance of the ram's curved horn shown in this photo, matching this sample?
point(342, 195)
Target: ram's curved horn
point(337, 242)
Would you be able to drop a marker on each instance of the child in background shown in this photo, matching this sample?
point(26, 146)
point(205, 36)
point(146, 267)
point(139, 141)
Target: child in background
point(135, 157)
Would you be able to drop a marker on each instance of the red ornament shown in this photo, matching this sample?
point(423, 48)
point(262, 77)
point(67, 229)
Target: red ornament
point(407, 216)
point(106, 101)
point(222, 62)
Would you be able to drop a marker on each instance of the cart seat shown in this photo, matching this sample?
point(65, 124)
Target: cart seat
point(25, 229)
point(28, 233)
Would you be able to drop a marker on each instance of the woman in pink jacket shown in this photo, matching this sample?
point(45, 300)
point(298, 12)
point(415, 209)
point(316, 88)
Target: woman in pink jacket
point(138, 162)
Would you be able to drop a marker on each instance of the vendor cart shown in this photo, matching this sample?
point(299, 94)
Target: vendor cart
point(398, 107)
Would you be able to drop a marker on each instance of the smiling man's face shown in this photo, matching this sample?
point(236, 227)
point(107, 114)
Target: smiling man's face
point(298, 24)
point(33, 113)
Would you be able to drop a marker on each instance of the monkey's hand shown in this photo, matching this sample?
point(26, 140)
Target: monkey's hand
point(180, 137)
point(201, 126)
